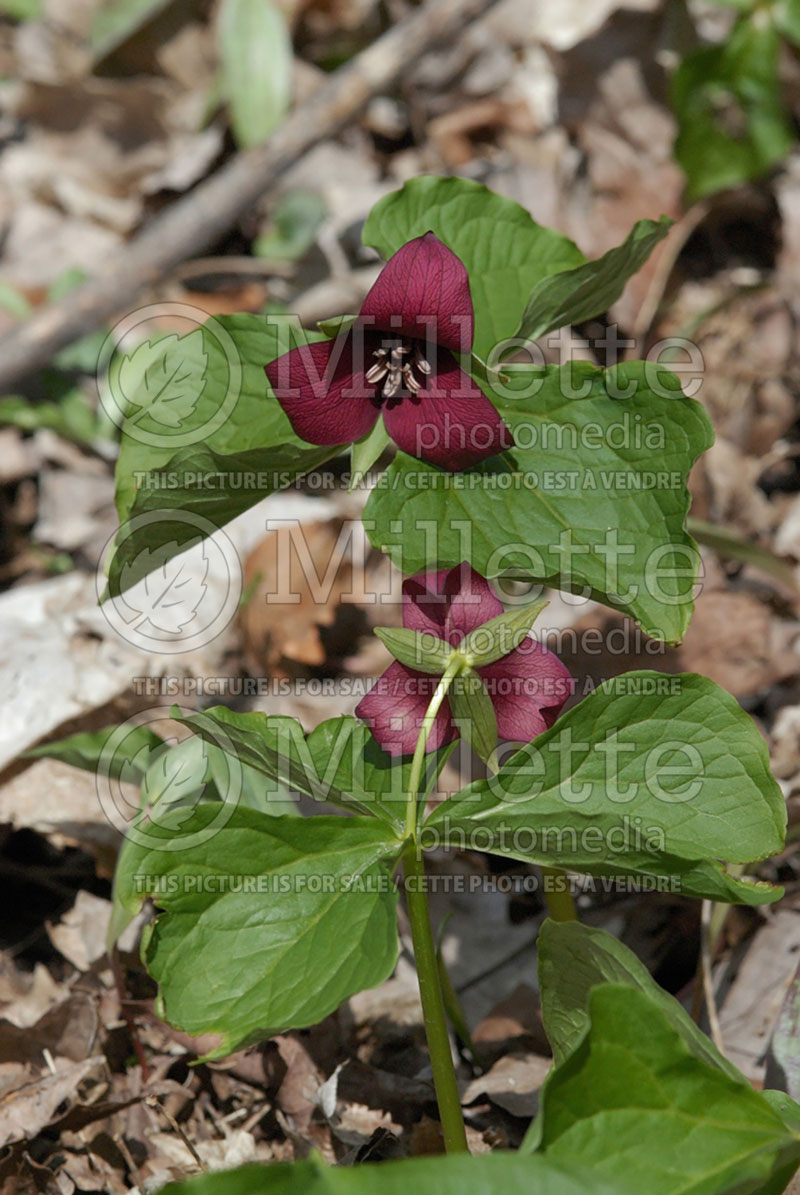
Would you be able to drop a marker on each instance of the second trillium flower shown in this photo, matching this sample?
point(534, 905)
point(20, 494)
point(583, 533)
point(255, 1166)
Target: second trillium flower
point(397, 360)
point(503, 684)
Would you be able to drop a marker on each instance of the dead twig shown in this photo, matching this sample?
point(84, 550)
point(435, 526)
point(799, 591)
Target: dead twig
point(199, 219)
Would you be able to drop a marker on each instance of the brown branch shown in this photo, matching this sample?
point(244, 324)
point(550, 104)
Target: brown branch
point(195, 222)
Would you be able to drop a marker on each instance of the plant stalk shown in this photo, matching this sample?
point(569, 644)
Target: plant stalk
point(418, 762)
point(444, 1075)
point(557, 895)
point(427, 962)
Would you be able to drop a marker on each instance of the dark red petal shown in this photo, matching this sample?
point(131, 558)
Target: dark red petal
point(423, 291)
point(322, 389)
point(528, 688)
point(472, 602)
point(450, 423)
point(395, 706)
point(425, 604)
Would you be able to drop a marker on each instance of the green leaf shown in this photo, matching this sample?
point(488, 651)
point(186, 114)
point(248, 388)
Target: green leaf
point(233, 448)
point(366, 451)
point(473, 713)
point(275, 800)
point(632, 1102)
point(333, 326)
point(505, 252)
point(500, 635)
point(573, 959)
point(176, 776)
point(283, 918)
point(420, 650)
point(70, 417)
point(144, 544)
point(297, 219)
point(235, 412)
point(588, 290)
point(158, 380)
point(652, 775)
point(256, 64)
point(338, 762)
point(484, 1174)
point(732, 125)
point(593, 498)
point(128, 761)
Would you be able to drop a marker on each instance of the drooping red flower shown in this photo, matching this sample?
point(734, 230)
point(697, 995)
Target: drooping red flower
point(397, 359)
point(527, 687)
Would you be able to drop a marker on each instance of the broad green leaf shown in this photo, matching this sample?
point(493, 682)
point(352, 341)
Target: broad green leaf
point(177, 776)
point(632, 1102)
point(184, 775)
point(115, 21)
point(234, 447)
point(256, 64)
point(732, 125)
point(573, 959)
point(223, 362)
point(128, 761)
point(416, 649)
point(338, 762)
point(256, 791)
point(483, 1174)
point(652, 775)
point(588, 290)
point(160, 381)
point(592, 499)
point(268, 924)
point(500, 635)
point(235, 482)
point(473, 713)
point(505, 252)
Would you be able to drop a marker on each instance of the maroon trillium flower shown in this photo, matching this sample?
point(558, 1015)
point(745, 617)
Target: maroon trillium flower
point(527, 687)
point(398, 360)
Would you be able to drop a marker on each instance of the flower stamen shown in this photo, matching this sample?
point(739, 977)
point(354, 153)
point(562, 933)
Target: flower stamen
point(390, 369)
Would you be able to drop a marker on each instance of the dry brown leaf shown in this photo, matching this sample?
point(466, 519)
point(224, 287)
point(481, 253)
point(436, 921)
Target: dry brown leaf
point(513, 1084)
point(515, 1023)
point(81, 933)
point(738, 642)
point(67, 1030)
point(297, 578)
point(32, 1106)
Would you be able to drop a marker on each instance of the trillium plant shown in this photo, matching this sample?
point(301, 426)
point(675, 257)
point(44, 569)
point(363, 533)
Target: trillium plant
point(493, 481)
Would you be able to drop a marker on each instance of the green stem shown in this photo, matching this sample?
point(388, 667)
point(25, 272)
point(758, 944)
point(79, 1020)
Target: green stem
point(430, 989)
point(444, 1075)
point(418, 762)
point(557, 895)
